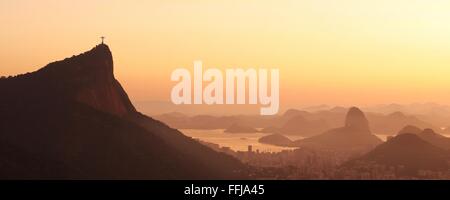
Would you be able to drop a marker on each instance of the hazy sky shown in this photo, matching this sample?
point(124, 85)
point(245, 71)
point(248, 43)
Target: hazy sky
point(328, 51)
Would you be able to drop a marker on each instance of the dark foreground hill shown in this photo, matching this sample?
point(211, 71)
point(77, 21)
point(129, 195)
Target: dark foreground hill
point(73, 120)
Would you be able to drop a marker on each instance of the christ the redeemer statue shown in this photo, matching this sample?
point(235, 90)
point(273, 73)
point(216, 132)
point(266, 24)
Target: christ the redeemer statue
point(103, 38)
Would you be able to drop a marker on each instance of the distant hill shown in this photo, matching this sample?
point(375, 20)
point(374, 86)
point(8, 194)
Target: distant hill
point(240, 128)
point(410, 129)
point(435, 139)
point(300, 126)
point(276, 139)
point(428, 135)
point(72, 120)
point(408, 153)
point(390, 123)
point(431, 113)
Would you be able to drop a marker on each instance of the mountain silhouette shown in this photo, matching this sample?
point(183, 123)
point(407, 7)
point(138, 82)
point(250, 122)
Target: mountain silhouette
point(428, 135)
point(356, 121)
point(275, 139)
point(407, 152)
point(354, 136)
point(72, 120)
point(390, 123)
point(410, 129)
point(296, 122)
point(435, 139)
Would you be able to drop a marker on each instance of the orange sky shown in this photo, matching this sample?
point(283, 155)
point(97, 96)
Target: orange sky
point(335, 52)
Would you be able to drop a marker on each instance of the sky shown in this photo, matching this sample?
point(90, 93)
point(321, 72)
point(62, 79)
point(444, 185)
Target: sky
point(339, 52)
